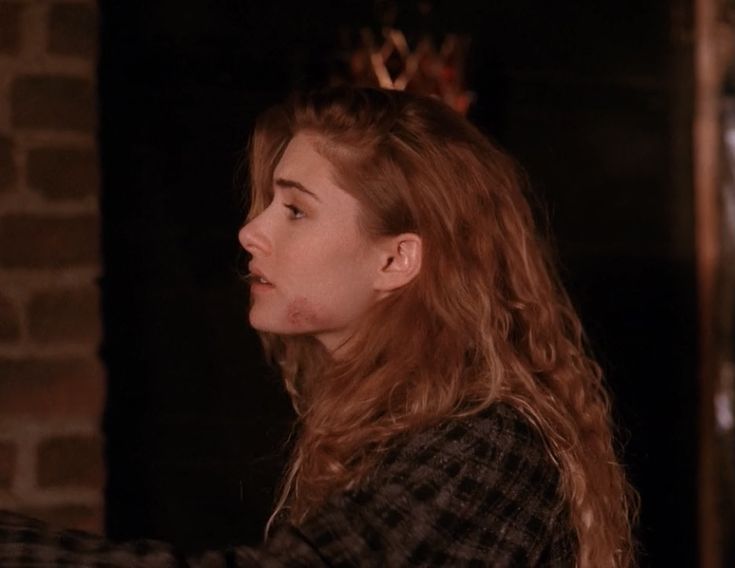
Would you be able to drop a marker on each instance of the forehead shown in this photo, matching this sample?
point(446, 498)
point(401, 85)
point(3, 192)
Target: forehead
point(303, 163)
point(302, 160)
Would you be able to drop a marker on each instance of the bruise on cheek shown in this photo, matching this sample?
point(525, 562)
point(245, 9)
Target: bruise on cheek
point(302, 312)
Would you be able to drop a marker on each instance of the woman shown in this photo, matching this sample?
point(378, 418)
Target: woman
point(400, 285)
point(448, 411)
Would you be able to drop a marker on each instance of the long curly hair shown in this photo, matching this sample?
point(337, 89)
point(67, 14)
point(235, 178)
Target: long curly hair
point(485, 320)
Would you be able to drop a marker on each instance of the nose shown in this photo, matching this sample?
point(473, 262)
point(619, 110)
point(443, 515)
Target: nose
point(253, 239)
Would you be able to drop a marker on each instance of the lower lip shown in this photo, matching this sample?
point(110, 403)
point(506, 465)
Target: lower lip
point(260, 287)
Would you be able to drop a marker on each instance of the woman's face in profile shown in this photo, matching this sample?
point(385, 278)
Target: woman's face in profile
point(313, 268)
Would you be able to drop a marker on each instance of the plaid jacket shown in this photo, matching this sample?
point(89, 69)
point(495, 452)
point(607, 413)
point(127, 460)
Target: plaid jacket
point(477, 491)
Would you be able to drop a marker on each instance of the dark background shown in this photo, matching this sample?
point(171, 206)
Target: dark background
point(594, 98)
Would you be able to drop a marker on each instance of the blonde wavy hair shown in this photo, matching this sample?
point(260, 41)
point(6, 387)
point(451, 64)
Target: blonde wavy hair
point(486, 319)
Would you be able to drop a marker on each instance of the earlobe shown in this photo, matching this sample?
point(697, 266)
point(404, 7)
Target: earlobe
point(401, 261)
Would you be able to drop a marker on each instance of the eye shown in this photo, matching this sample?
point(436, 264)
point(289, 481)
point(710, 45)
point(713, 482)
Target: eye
point(294, 212)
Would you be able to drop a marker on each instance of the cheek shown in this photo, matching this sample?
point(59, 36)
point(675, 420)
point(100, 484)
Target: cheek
point(301, 312)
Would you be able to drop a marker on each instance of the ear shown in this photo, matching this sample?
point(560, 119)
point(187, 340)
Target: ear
point(400, 257)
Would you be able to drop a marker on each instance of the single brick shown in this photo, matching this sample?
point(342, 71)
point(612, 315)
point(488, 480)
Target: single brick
point(35, 241)
point(53, 102)
point(79, 517)
point(73, 29)
point(8, 171)
point(9, 26)
point(70, 461)
point(9, 321)
point(8, 459)
point(51, 387)
point(65, 315)
point(63, 173)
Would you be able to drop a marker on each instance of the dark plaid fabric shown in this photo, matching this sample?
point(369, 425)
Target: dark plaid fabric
point(477, 491)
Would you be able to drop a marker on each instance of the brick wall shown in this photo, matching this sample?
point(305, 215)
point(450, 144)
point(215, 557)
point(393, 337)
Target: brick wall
point(51, 379)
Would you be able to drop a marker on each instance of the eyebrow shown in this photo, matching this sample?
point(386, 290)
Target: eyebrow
point(289, 183)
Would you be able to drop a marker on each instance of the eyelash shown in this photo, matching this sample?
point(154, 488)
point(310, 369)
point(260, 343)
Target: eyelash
point(295, 212)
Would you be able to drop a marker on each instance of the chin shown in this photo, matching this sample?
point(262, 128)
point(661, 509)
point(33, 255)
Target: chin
point(267, 325)
point(259, 323)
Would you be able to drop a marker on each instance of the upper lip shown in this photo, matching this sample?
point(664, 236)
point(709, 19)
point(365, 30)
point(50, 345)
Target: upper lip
point(254, 271)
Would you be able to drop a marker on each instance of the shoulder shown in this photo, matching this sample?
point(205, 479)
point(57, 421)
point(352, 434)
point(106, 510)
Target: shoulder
point(481, 487)
point(498, 437)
